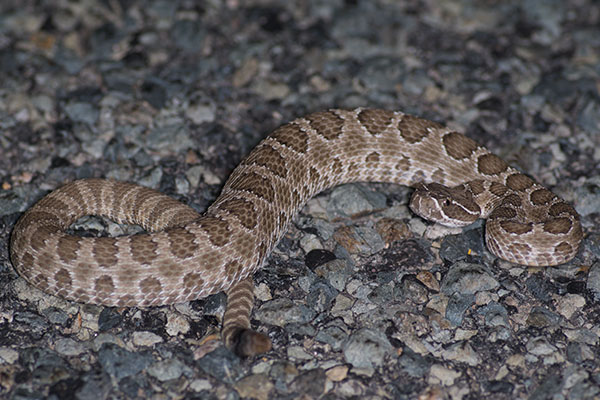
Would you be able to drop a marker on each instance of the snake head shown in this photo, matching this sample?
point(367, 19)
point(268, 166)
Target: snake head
point(449, 206)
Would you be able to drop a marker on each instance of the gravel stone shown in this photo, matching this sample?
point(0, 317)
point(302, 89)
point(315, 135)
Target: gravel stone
point(145, 339)
point(82, 112)
point(69, 347)
point(34, 321)
point(589, 118)
point(540, 317)
point(353, 200)
point(310, 383)
point(255, 387)
point(569, 304)
point(336, 272)
point(108, 319)
point(199, 385)
point(283, 311)
point(462, 352)
point(550, 385)
point(167, 370)
point(414, 364)
point(8, 355)
point(540, 346)
point(465, 278)
point(589, 196)
point(321, 296)
point(298, 353)
point(56, 316)
point(495, 315)
point(220, 364)
point(455, 248)
point(593, 281)
point(366, 348)
point(120, 363)
point(457, 305)
point(539, 288)
point(96, 385)
point(334, 336)
point(439, 374)
point(318, 257)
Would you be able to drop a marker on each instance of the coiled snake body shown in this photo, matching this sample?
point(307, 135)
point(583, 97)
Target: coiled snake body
point(187, 256)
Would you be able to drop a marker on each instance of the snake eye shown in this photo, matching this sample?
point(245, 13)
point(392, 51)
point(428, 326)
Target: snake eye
point(447, 202)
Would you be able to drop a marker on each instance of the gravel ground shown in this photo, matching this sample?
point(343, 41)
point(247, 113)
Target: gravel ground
point(361, 298)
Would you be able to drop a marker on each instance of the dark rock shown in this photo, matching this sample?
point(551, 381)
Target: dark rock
point(366, 348)
point(414, 364)
point(467, 278)
point(318, 257)
point(540, 288)
point(221, 364)
point(120, 363)
point(108, 319)
point(457, 305)
point(320, 296)
point(310, 383)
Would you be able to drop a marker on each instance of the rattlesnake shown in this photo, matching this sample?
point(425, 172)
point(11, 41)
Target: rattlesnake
point(188, 256)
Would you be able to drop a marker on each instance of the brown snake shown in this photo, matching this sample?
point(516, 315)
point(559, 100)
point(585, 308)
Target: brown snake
point(187, 256)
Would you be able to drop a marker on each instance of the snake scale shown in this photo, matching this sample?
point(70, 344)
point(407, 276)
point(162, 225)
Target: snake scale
point(186, 256)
